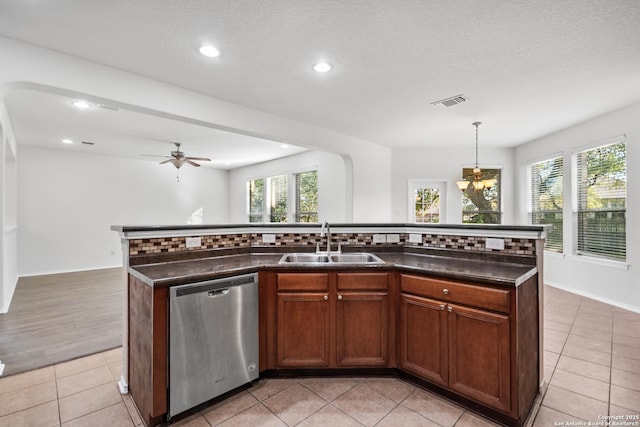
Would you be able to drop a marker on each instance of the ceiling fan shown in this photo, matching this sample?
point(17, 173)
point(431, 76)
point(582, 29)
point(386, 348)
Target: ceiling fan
point(178, 158)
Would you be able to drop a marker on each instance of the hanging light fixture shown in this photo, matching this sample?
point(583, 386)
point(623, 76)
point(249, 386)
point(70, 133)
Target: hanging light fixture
point(476, 180)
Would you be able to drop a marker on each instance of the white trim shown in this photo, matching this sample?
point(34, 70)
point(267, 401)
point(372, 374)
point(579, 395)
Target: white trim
point(423, 229)
point(623, 265)
point(614, 303)
point(75, 270)
point(600, 143)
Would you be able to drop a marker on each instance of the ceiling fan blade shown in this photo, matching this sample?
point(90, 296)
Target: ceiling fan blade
point(166, 161)
point(191, 163)
point(202, 159)
point(155, 155)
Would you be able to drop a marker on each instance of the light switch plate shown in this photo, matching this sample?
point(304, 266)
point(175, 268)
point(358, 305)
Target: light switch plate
point(393, 238)
point(194, 242)
point(492, 243)
point(415, 238)
point(379, 238)
point(268, 238)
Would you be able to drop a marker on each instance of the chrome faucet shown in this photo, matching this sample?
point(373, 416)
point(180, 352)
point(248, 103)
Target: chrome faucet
point(325, 224)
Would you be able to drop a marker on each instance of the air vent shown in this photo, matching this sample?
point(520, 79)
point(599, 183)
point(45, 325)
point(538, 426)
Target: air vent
point(450, 102)
point(88, 143)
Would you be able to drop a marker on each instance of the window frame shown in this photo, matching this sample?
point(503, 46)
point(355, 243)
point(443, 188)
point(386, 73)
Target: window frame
point(417, 184)
point(575, 203)
point(467, 171)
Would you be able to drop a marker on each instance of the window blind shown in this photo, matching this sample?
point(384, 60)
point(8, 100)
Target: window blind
point(278, 198)
point(601, 180)
point(546, 199)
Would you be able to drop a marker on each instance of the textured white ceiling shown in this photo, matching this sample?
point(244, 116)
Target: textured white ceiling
point(528, 67)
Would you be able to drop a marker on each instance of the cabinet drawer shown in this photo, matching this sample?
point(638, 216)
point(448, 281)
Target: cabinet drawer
point(362, 281)
point(303, 281)
point(445, 290)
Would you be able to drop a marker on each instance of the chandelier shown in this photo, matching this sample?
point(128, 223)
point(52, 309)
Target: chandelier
point(476, 182)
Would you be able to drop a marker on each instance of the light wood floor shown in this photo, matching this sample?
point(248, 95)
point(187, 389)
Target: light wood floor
point(60, 317)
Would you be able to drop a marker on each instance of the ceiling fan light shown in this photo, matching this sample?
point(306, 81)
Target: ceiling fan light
point(177, 163)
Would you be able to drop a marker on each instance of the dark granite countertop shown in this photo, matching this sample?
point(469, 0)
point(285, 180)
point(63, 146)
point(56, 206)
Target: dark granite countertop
point(197, 270)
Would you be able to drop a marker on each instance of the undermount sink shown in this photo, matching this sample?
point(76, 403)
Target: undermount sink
point(348, 258)
point(304, 258)
point(356, 258)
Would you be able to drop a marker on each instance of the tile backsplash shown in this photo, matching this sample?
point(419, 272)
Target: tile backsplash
point(512, 246)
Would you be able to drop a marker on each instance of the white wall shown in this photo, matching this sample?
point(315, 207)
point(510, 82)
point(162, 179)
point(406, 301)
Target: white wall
point(445, 164)
point(67, 203)
point(611, 282)
point(23, 62)
point(332, 183)
point(8, 212)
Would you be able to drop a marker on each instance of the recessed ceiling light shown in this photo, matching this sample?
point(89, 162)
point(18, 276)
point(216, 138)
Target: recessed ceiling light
point(81, 105)
point(322, 67)
point(210, 51)
point(284, 145)
point(67, 141)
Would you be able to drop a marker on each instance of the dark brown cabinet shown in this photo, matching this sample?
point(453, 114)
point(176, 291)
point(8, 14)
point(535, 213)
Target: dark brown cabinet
point(332, 319)
point(470, 339)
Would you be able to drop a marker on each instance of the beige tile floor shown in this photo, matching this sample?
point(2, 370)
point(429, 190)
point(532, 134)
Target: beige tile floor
point(592, 367)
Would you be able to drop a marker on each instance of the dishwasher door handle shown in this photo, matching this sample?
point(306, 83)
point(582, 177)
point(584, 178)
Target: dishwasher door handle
point(218, 292)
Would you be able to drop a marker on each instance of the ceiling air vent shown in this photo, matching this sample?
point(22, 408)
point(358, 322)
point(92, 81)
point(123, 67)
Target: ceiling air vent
point(450, 102)
point(88, 143)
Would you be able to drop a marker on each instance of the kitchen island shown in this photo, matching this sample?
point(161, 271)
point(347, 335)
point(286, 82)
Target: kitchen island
point(441, 310)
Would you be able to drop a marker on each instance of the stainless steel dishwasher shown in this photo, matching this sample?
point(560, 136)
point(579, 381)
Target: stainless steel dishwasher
point(213, 339)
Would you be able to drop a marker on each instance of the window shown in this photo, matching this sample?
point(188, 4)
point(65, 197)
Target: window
point(268, 198)
point(601, 192)
point(546, 199)
point(255, 190)
point(482, 206)
point(426, 201)
point(277, 188)
point(306, 209)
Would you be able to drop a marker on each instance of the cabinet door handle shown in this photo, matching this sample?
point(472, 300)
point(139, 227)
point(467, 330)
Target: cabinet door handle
point(326, 297)
point(339, 297)
point(445, 291)
point(442, 306)
point(449, 309)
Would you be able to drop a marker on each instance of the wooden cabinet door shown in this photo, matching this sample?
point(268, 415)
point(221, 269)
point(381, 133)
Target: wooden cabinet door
point(303, 334)
point(423, 338)
point(479, 356)
point(362, 329)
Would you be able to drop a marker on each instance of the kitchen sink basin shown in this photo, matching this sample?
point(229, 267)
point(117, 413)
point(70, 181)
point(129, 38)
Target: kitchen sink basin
point(356, 258)
point(348, 258)
point(304, 258)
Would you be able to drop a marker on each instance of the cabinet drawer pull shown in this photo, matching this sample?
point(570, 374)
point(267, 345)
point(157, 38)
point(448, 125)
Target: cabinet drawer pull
point(445, 291)
point(442, 306)
point(339, 297)
point(449, 309)
point(326, 297)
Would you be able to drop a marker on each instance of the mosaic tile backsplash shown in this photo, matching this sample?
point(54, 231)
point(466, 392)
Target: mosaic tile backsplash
point(512, 246)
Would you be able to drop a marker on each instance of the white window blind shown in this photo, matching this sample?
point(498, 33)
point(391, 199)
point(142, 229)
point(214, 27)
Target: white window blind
point(277, 187)
point(546, 199)
point(601, 180)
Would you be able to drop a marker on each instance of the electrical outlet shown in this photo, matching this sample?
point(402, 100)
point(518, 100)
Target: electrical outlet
point(492, 243)
point(268, 238)
point(393, 238)
point(379, 238)
point(415, 238)
point(194, 242)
